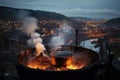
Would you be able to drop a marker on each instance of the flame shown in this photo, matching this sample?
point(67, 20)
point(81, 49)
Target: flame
point(40, 62)
point(53, 61)
point(73, 67)
point(36, 66)
point(69, 61)
point(45, 63)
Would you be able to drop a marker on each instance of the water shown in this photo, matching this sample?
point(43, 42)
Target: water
point(88, 44)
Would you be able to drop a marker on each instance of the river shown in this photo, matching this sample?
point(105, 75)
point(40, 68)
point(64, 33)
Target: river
point(88, 44)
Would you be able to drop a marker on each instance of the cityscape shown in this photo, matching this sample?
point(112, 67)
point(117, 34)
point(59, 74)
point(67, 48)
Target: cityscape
point(99, 35)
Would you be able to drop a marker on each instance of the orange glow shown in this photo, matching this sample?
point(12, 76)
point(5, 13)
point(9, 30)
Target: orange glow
point(53, 61)
point(69, 61)
point(45, 64)
point(61, 61)
point(36, 66)
point(48, 63)
point(40, 62)
point(73, 67)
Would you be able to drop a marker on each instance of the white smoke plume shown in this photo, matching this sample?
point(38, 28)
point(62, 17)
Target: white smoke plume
point(62, 35)
point(29, 26)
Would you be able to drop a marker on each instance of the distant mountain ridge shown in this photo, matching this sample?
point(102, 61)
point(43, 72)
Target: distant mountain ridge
point(112, 22)
point(86, 18)
point(81, 18)
point(11, 13)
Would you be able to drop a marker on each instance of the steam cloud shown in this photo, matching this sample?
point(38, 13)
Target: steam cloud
point(62, 35)
point(29, 26)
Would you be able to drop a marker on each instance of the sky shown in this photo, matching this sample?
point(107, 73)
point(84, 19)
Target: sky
point(106, 9)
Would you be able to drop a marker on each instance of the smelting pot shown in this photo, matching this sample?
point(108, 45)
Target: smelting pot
point(88, 72)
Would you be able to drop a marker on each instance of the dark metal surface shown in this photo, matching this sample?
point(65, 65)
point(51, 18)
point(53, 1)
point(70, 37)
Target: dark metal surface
point(61, 58)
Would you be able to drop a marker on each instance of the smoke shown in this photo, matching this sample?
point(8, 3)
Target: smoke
point(62, 35)
point(29, 26)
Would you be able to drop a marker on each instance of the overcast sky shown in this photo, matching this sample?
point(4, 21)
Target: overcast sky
point(80, 8)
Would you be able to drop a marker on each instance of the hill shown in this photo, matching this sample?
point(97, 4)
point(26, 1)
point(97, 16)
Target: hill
point(8, 13)
point(86, 19)
point(113, 22)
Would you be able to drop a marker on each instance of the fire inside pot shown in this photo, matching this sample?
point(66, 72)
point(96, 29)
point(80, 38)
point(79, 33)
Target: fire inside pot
point(56, 60)
point(58, 64)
